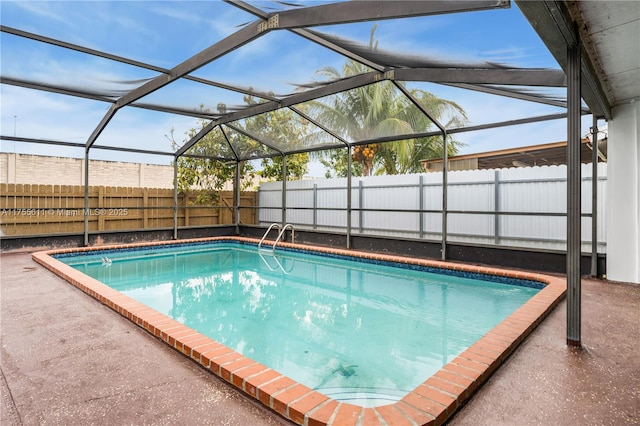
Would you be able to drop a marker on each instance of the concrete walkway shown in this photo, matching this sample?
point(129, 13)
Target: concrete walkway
point(67, 359)
point(545, 382)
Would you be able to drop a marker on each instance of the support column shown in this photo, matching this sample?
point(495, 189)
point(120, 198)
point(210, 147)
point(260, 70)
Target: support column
point(421, 206)
point(236, 198)
point(86, 197)
point(284, 191)
point(349, 162)
point(594, 197)
point(496, 207)
point(175, 198)
point(361, 206)
point(445, 170)
point(573, 194)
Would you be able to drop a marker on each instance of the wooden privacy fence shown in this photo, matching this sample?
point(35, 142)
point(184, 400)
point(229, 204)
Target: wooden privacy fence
point(54, 209)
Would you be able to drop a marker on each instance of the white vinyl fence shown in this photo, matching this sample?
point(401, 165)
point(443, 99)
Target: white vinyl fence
point(517, 207)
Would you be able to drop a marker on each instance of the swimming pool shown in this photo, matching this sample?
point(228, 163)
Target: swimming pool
point(312, 371)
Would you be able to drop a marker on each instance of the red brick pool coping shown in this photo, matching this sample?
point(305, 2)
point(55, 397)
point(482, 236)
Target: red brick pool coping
point(431, 403)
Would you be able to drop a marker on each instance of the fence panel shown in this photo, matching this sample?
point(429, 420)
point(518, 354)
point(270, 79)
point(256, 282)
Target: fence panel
point(522, 207)
point(54, 209)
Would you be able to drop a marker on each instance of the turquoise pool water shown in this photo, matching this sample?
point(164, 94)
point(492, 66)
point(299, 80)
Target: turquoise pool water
point(357, 331)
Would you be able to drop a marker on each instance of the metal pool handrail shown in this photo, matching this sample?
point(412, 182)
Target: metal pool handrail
point(288, 225)
point(273, 225)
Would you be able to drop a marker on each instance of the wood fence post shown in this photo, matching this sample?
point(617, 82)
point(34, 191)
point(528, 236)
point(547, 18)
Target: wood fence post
point(145, 211)
point(99, 208)
point(186, 209)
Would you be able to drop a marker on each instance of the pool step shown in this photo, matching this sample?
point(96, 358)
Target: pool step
point(365, 397)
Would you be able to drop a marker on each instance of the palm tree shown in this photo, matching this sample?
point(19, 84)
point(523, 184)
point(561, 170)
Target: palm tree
point(380, 110)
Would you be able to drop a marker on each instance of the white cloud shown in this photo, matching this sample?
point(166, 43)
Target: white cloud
point(176, 12)
point(42, 9)
point(48, 116)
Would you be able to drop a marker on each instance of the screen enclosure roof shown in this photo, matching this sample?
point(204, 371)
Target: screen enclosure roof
point(267, 78)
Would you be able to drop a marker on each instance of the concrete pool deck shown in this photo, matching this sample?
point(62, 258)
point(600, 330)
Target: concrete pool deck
point(67, 359)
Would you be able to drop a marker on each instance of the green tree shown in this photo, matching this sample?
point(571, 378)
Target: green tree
point(280, 128)
point(335, 164)
point(297, 166)
point(380, 110)
point(206, 176)
point(200, 170)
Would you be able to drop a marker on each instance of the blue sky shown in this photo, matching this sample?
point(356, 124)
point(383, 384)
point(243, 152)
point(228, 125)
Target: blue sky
point(165, 33)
